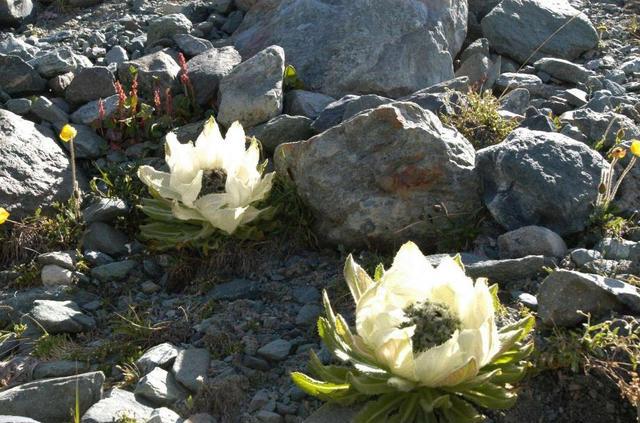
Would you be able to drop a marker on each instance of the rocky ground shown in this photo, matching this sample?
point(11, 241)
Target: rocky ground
point(153, 335)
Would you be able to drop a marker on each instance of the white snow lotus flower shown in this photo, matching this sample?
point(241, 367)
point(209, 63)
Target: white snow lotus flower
point(214, 181)
point(426, 345)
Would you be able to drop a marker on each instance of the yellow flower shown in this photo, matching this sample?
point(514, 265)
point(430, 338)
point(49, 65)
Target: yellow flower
point(4, 215)
point(67, 133)
point(635, 147)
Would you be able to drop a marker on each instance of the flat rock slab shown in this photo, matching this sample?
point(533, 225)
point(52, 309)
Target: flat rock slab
point(117, 404)
point(50, 400)
point(191, 368)
point(565, 292)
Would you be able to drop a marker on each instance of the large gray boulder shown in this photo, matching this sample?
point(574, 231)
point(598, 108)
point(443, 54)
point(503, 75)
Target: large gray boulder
point(252, 92)
point(385, 176)
point(358, 46)
point(166, 26)
point(15, 12)
point(158, 70)
point(50, 400)
point(528, 30)
point(565, 292)
point(34, 169)
point(208, 68)
point(18, 77)
point(90, 84)
point(116, 405)
point(540, 178)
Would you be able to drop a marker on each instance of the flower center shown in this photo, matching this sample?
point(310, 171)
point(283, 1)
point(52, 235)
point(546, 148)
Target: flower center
point(213, 182)
point(435, 324)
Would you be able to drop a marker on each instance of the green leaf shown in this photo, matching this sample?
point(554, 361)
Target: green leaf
point(377, 411)
point(379, 272)
point(316, 387)
point(514, 355)
point(409, 409)
point(335, 374)
point(511, 374)
point(490, 396)
point(461, 412)
point(458, 260)
point(369, 385)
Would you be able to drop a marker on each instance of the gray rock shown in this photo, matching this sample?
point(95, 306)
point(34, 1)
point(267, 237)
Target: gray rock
point(384, 176)
point(525, 30)
point(346, 107)
point(59, 395)
point(59, 258)
point(87, 144)
point(266, 416)
point(161, 355)
point(19, 106)
point(90, 84)
point(598, 126)
point(90, 112)
point(100, 236)
point(531, 241)
point(17, 46)
point(117, 404)
point(115, 271)
point(245, 4)
point(164, 415)
point(165, 27)
point(208, 68)
point(221, 6)
point(281, 129)
point(14, 12)
point(308, 314)
point(34, 169)
point(508, 270)
point(511, 81)
point(306, 103)
point(190, 45)
point(191, 368)
point(276, 350)
point(54, 275)
point(540, 178)
point(233, 21)
point(155, 71)
point(516, 101)
point(563, 70)
point(61, 317)
point(619, 249)
point(16, 419)
point(356, 46)
point(46, 110)
point(59, 368)
point(60, 61)
point(235, 290)
point(160, 387)
point(19, 77)
point(581, 256)
point(104, 210)
point(565, 292)
point(116, 55)
point(252, 92)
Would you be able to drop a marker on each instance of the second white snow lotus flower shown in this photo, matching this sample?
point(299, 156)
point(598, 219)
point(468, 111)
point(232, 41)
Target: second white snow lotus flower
point(211, 185)
point(426, 347)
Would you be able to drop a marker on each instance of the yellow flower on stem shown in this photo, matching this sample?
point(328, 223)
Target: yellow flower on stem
point(67, 133)
point(618, 153)
point(635, 148)
point(4, 215)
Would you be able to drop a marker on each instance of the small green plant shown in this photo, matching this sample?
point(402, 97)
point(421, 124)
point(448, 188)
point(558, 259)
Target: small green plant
point(609, 187)
point(611, 348)
point(479, 121)
point(291, 79)
point(53, 347)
